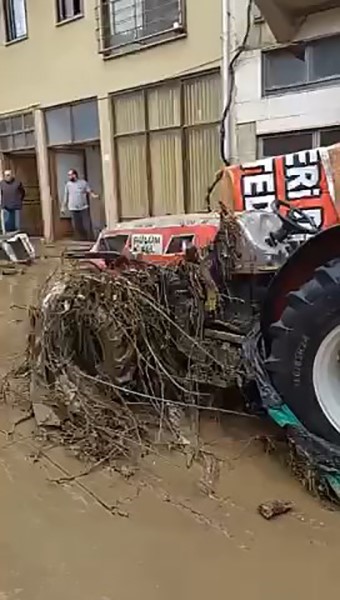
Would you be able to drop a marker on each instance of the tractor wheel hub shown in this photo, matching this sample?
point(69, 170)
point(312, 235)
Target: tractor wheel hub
point(326, 377)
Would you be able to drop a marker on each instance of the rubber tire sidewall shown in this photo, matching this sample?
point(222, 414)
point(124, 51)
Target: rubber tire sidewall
point(296, 351)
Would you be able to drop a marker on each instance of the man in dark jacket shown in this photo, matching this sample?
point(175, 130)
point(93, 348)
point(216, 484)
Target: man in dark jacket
point(12, 194)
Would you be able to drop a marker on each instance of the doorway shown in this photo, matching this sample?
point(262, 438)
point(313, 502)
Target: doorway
point(24, 168)
point(86, 160)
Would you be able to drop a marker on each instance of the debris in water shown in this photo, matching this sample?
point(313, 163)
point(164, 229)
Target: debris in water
point(274, 508)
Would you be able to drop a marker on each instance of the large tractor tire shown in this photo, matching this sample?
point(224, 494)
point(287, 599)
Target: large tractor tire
point(305, 353)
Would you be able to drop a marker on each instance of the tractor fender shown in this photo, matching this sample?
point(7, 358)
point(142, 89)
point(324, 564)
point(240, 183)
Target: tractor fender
point(297, 270)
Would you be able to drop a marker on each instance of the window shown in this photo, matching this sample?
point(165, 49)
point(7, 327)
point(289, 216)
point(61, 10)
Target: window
point(180, 243)
point(325, 59)
point(15, 19)
point(72, 123)
point(113, 243)
point(123, 24)
point(58, 121)
point(275, 145)
point(288, 143)
point(17, 132)
point(167, 146)
point(328, 137)
point(85, 121)
point(301, 65)
point(284, 70)
point(68, 9)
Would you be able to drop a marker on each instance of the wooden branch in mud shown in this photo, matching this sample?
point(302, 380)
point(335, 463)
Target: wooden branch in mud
point(224, 336)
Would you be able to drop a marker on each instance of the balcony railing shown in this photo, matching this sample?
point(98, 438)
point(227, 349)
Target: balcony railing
point(129, 25)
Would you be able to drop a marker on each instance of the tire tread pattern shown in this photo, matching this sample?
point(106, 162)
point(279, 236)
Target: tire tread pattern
point(304, 308)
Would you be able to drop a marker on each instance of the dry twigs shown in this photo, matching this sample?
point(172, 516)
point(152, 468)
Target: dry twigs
point(118, 358)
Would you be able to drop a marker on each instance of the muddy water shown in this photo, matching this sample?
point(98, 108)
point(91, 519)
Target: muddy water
point(17, 293)
point(158, 535)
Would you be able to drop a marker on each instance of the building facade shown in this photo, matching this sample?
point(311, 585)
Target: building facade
point(287, 94)
point(128, 92)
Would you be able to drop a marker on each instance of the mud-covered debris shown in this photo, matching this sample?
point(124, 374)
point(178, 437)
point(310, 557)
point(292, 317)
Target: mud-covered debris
point(127, 471)
point(274, 508)
point(118, 360)
point(45, 415)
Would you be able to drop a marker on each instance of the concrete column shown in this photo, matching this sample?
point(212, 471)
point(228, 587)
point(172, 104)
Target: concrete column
point(2, 165)
point(108, 158)
point(43, 174)
point(230, 38)
point(246, 142)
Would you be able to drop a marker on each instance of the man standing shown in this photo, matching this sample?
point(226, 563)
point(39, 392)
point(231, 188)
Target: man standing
point(76, 200)
point(12, 194)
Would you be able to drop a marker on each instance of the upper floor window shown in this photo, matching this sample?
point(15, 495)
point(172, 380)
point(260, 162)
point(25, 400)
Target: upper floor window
point(296, 141)
point(130, 24)
point(303, 65)
point(17, 132)
point(15, 19)
point(68, 9)
point(71, 123)
point(286, 143)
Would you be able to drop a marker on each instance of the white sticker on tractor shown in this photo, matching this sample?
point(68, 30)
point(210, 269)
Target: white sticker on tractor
point(147, 243)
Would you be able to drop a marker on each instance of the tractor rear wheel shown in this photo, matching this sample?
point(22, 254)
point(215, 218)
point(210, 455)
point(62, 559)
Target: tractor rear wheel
point(305, 353)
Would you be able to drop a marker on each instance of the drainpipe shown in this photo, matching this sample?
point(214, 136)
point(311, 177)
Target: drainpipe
point(226, 57)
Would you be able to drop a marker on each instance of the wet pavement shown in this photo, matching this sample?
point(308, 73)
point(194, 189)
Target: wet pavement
point(156, 535)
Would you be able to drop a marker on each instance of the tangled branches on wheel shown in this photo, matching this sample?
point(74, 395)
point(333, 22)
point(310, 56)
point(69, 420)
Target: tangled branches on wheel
point(117, 358)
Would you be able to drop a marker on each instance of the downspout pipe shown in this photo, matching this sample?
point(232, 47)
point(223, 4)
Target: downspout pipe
point(226, 59)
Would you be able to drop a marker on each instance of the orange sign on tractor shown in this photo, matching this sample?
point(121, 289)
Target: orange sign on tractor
point(305, 180)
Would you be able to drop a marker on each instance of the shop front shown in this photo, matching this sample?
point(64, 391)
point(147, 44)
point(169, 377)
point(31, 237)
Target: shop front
point(17, 145)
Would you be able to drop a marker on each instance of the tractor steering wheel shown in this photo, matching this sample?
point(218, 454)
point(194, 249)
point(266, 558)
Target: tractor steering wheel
point(296, 220)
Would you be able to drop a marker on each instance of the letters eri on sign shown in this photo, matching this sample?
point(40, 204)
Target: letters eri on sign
point(303, 175)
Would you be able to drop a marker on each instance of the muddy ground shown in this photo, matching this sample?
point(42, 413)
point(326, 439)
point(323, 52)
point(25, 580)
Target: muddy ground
point(157, 535)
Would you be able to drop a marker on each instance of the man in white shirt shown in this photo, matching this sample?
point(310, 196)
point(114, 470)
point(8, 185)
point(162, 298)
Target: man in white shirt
point(76, 200)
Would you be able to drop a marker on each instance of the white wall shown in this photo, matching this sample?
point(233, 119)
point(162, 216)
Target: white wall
point(289, 112)
point(293, 111)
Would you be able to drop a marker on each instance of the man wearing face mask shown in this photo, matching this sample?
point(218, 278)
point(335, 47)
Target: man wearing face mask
point(12, 194)
point(77, 201)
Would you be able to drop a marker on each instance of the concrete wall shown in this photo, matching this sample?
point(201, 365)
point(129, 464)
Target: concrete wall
point(313, 108)
point(95, 179)
point(59, 64)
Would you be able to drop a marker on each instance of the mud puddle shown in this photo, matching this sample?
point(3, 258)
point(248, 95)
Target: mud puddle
point(166, 532)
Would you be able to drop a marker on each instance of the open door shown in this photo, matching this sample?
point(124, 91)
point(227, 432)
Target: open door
point(25, 169)
point(61, 161)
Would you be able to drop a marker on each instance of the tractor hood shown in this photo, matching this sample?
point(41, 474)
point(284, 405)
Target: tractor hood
point(284, 17)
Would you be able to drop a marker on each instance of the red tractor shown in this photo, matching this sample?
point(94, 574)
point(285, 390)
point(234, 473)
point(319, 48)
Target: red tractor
point(271, 256)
